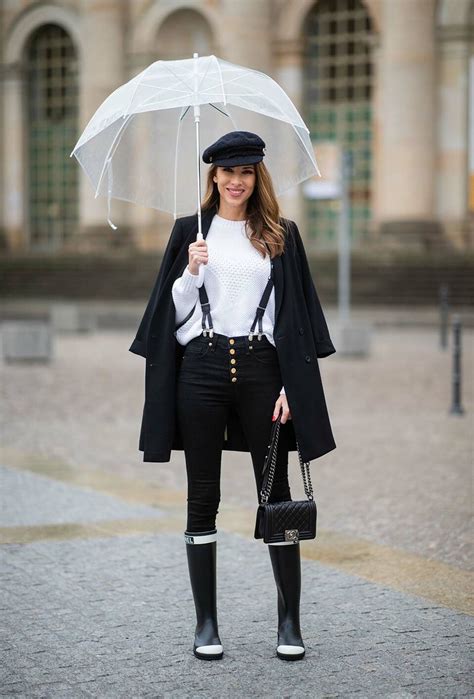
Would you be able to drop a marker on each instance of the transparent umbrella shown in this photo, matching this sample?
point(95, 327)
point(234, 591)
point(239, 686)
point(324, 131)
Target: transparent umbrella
point(143, 143)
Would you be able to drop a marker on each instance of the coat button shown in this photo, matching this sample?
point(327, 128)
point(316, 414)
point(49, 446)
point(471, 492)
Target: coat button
point(308, 358)
point(301, 331)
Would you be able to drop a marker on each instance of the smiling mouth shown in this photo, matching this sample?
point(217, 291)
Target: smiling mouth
point(235, 192)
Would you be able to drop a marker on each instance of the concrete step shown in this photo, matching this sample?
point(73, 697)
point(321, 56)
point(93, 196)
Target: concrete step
point(383, 279)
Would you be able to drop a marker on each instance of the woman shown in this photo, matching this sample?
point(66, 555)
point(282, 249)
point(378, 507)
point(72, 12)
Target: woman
point(237, 339)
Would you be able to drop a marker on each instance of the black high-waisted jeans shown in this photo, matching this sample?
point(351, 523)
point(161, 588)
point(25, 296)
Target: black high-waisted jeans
point(206, 392)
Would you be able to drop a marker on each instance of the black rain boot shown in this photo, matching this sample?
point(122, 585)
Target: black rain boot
point(201, 553)
point(286, 564)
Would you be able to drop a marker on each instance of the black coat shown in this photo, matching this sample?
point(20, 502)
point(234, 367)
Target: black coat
point(301, 336)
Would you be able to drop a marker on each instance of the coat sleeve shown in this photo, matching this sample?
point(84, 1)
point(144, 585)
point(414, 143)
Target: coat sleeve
point(139, 344)
point(324, 346)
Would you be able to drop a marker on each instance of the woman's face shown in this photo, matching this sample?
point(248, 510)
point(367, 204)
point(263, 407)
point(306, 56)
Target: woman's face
point(235, 183)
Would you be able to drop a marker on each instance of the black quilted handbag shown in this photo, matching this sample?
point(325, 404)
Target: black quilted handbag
point(290, 520)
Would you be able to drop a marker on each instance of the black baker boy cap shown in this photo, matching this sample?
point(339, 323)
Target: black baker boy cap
point(235, 148)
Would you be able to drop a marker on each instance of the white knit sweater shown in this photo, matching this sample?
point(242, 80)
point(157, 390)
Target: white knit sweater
point(235, 277)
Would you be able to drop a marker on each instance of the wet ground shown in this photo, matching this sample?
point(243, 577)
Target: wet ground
point(95, 594)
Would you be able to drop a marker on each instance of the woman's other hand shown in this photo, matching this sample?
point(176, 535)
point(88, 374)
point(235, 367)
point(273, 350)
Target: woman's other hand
point(197, 255)
point(282, 404)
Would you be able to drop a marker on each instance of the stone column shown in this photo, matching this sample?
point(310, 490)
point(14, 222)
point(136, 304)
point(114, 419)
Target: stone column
point(288, 73)
point(406, 139)
point(101, 72)
point(245, 30)
point(452, 109)
point(13, 205)
point(247, 40)
point(149, 228)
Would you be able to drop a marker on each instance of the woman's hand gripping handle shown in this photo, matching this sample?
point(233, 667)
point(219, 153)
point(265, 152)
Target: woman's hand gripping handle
point(198, 257)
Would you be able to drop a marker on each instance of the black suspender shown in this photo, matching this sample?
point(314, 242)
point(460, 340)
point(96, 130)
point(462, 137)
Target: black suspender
point(206, 308)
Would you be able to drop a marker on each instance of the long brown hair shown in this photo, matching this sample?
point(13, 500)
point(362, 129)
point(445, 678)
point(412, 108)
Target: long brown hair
point(263, 212)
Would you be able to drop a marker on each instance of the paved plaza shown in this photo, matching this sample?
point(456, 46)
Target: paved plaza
point(96, 600)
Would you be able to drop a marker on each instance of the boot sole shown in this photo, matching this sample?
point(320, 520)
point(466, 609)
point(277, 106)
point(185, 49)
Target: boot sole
point(208, 656)
point(292, 656)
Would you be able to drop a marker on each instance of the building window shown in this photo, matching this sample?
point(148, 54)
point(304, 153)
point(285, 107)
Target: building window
point(337, 91)
point(51, 132)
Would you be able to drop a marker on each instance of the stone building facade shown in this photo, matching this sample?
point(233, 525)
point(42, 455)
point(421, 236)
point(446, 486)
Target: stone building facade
point(391, 81)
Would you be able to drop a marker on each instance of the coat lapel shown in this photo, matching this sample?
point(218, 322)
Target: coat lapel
point(206, 220)
point(278, 282)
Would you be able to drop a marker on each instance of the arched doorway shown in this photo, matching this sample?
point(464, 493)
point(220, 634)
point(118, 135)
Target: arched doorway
point(181, 34)
point(51, 105)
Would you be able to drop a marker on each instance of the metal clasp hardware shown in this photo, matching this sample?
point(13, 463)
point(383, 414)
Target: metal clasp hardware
point(291, 535)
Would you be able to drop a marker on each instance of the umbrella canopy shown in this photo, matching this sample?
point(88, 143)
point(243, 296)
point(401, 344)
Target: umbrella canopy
point(142, 143)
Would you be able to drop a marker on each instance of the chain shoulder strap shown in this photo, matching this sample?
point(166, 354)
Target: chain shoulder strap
point(269, 466)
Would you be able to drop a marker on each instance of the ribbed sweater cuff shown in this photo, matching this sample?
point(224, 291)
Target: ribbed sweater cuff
point(187, 283)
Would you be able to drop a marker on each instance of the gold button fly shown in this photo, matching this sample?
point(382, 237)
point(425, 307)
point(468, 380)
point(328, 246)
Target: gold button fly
point(232, 361)
point(232, 351)
point(234, 379)
point(233, 370)
point(231, 341)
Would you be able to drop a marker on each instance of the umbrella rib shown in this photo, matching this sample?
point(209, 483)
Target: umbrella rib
point(207, 70)
point(160, 104)
point(132, 98)
point(219, 110)
point(163, 88)
point(237, 77)
point(222, 83)
point(151, 97)
point(312, 157)
point(272, 101)
point(176, 159)
point(177, 77)
point(107, 157)
point(224, 113)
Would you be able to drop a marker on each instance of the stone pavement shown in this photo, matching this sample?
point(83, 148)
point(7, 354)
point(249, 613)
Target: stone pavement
point(95, 597)
point(112, 616)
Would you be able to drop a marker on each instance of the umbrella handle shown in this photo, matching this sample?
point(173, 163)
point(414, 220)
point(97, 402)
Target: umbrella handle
point(200, 280)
